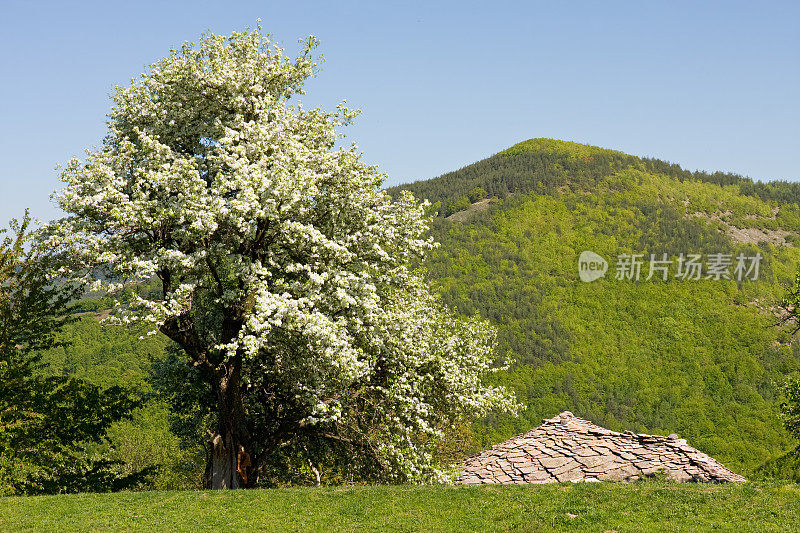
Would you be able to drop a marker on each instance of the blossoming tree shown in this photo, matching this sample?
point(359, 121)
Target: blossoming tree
point(287, 274)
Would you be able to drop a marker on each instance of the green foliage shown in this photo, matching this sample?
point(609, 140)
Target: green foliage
point(433, 209)
point(104, 354)
point(190, 407)
point(93, 305)
point(786, 466)
point(790, 407)
point(148, 442)
point(477, 194)
point(48, 424)
point(459, 205)
point(790, 310)
point(154, 438)
point(32, 309)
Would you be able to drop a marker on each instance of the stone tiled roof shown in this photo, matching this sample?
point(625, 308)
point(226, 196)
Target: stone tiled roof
point(568, 448)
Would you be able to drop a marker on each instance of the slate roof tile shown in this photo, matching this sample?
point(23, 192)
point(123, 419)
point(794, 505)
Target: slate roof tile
point(568, 448)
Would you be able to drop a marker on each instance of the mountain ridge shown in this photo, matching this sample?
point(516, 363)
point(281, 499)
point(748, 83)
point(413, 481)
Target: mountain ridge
point(483, 173)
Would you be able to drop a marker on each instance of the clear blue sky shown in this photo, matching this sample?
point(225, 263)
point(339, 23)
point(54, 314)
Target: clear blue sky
point(710, 86)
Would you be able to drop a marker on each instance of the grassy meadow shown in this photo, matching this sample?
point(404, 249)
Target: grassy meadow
point(646, 506)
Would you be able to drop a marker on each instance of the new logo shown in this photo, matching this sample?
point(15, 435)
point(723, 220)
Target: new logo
point(591, 266)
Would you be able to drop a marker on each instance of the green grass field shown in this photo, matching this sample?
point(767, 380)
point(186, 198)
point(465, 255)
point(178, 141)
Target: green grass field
point(649, 506)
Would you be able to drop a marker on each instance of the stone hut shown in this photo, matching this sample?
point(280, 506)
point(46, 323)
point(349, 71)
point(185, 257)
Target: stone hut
point(568, 448)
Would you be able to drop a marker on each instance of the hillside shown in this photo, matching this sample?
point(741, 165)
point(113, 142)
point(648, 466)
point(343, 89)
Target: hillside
point(700, 358)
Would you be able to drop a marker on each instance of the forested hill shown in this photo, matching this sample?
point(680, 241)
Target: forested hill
point(697, 357)
point(543, 165)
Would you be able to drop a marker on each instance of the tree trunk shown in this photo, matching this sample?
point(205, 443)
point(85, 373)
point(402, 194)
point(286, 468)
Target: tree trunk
point(227, 468)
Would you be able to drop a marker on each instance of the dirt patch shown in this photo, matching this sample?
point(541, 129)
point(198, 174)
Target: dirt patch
point(466, 214)
point(776, 237)
point(713, 216)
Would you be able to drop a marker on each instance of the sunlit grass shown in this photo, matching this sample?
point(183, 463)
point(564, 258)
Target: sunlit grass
point(649, 506)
